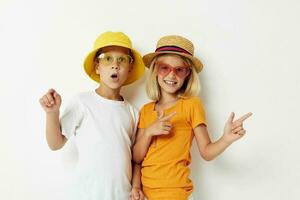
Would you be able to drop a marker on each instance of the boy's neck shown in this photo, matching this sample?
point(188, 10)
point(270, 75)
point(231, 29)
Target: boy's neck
point(108, 93)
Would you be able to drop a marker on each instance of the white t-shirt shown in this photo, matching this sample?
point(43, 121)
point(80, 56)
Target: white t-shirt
point(104, 132)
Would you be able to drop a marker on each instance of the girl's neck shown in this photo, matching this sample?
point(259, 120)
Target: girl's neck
point(108, 93)
point(167, 98)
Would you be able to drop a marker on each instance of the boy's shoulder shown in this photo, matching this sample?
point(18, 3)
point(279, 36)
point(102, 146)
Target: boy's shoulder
point(132, 106)
point(81, 97)
point(86, 95)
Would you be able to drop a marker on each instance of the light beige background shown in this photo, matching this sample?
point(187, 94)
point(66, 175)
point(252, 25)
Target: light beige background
point(250, 50)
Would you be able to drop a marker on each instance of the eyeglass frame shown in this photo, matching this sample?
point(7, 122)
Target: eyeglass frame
point(115, 59)
point(172, 69)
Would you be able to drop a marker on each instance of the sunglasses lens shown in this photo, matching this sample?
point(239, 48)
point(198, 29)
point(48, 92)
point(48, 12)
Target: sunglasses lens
point(182, 71)
point(108, 59)
point(164, 69)
point(123, 60)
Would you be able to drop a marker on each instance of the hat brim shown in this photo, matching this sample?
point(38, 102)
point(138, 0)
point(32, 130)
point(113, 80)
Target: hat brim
point(148, 58)
point(137, 69)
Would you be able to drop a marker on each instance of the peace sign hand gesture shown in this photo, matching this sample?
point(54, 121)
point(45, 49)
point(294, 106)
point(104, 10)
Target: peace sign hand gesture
point(234, 130)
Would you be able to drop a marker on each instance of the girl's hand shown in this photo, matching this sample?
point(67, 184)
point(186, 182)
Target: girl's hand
point(136, 194)
point(234, 130)
point(161, 127)
point(51, 101)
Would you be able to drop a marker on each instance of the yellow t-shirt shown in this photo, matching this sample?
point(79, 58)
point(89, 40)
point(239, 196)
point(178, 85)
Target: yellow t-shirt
point(165, 172)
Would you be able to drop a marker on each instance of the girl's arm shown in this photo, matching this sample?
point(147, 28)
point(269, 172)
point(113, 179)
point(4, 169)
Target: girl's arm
point(51, 102)
point(136, 191)
point(141, 146)
point(136, 175)
point(207, 149)
point(144, 136)
point(233, 131)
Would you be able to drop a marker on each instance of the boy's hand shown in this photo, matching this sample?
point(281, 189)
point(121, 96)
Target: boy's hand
point(234, 130)
point(162, 126)
point(51, 101)
point(136, 194)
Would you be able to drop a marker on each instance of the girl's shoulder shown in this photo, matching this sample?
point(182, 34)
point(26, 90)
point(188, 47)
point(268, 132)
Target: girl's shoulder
point(148, 106)
point(191, 100)
point(194, 106)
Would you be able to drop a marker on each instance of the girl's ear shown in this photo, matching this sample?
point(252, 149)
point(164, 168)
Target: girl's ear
point(189, 74)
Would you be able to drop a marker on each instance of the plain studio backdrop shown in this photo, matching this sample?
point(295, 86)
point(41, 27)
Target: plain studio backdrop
point(250, 51)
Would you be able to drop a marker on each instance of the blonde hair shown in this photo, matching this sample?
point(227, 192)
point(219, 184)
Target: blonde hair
point(190, 87)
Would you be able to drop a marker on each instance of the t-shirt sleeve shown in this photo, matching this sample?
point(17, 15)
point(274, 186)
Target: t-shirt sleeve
point(136, 120)
point(71, 118)
point(141, 123)
point(197, 112)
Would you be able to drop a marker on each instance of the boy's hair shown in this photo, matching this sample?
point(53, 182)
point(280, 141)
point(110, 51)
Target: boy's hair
point(190, 87)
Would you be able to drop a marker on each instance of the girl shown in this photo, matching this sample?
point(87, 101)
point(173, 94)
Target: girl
point(169, 123)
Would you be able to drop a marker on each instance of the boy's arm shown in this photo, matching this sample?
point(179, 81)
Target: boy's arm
point(55, 139)
point(51, 102)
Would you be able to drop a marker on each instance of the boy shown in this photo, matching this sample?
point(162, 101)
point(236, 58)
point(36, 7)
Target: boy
point(102, 121)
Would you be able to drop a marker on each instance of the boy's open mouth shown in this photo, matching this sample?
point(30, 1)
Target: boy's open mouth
point(114, 76)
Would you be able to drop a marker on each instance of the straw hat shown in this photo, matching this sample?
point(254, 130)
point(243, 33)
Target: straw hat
point(114, 39)
point(174, 44)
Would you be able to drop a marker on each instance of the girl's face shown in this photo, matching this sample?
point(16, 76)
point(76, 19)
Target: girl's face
point(114, 65)
point(172, 71)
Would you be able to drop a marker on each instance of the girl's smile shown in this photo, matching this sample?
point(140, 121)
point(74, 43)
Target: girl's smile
point(171, 83)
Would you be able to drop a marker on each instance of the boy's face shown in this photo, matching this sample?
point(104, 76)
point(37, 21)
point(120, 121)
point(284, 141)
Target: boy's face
point(114, 65)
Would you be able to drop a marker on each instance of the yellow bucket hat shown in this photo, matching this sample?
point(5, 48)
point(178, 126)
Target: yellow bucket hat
point(114, 39)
